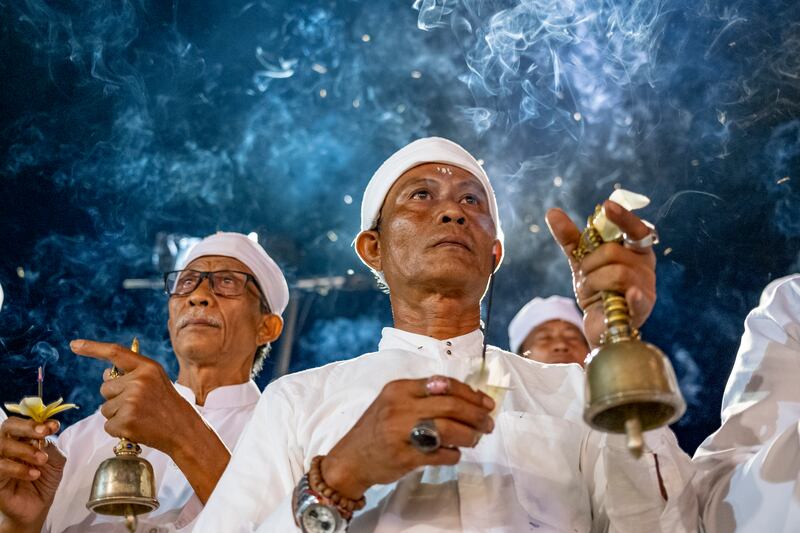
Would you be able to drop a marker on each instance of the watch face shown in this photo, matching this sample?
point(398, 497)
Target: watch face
point(319, 519)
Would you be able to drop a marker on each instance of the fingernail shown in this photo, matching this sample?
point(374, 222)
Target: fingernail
point(75, 345)
point(33, 472)
point(488, 402)
point(41, 457)
point(41, 429)
point(491, 425)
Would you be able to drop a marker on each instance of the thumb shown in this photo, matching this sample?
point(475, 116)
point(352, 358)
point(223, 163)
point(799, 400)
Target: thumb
point(55, 458)
point(565, 233)
point(639, 306)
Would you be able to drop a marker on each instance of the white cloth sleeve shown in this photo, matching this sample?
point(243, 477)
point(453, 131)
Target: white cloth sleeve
point(749, 468)
point(266, 464)
point(626, 492)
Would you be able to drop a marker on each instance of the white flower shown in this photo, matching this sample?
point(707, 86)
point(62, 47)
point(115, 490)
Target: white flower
point(33, 407)
point(627, 199)
point(491, 379)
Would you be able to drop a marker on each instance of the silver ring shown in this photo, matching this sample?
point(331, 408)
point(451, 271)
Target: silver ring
point(644, 243)
point(424, 436)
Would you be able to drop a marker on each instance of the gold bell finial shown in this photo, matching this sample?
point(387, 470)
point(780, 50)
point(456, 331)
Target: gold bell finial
point(124, 485)
point(630, 384)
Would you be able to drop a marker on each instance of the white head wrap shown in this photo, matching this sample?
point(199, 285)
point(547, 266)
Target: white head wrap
point(267, 273)
point(419, 152)
point(538, 311)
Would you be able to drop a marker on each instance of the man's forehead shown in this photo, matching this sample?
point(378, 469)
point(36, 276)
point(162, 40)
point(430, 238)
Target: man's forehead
point(218, 262)
point(436, 173)
point(556, 324)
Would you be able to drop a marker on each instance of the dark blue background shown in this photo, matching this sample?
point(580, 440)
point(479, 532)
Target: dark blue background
point(123, 119)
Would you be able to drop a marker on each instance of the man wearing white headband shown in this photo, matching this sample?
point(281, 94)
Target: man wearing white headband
point(225, 304)
point(395, 440)
point(549, 330)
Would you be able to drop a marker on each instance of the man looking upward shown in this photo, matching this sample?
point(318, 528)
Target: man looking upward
point(394, 440)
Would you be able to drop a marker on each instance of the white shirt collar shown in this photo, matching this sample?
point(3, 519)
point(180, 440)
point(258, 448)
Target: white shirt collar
point(464, 346)
point(226, 397)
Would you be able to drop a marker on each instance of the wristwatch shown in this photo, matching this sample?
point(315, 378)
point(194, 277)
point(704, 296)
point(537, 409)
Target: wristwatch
point(313, 512)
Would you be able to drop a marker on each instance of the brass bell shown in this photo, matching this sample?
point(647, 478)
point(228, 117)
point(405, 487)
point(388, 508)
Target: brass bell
point(124, 485)
point(630, 384)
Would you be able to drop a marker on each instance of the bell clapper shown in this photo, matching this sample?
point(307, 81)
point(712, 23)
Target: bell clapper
point(130, 519)
point(633, 432)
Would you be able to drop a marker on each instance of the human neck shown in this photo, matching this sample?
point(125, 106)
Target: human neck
point(436, 315)
point(203, 379)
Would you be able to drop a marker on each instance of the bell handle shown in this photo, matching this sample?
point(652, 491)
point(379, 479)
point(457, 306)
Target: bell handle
point(126, 446)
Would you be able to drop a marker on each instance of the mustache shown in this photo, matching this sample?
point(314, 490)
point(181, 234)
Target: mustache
point(185, 320)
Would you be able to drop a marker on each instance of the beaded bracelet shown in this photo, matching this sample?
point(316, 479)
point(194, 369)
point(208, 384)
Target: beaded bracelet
point(318, 485)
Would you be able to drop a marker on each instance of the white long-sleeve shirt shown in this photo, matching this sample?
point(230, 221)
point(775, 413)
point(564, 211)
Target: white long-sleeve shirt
point(86, 444)
point(749, 469)
point(542, 469)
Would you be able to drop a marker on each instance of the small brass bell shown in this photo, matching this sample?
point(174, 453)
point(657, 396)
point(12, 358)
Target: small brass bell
point(124, 485)
point(630, 384)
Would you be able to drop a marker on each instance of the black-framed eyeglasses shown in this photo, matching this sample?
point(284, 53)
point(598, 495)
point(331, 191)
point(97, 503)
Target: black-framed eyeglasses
point(228, 283)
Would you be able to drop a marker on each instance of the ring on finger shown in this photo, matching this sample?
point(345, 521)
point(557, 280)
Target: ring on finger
point(644, 243)
point(425, 437)
point(437, 386)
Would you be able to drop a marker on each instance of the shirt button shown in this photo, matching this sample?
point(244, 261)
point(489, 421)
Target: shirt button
point(449, 343)
point(449, 352)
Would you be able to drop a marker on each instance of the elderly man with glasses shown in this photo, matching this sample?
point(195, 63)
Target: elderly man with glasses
point(224, 310)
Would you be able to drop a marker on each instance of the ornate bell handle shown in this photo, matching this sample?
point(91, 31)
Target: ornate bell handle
point(615, 308)
point(125, 446)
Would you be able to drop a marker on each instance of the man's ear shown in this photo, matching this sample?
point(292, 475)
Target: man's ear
point(497, 252)
point(269, 329)
point(368, 249)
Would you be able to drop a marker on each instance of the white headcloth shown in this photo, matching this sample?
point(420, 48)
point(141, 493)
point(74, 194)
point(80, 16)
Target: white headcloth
point(267, 273)
point(419, 152)
point(538, 311)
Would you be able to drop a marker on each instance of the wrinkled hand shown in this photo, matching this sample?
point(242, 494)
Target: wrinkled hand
point(378, 450)
point(142, 405)
point(611, 267)
point(29, 477)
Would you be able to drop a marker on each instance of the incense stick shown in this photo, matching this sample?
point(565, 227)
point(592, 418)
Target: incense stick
point(40, 386)
point(40, 381)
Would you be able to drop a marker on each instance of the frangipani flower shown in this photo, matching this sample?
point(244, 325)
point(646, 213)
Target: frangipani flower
point(627, 199)
point(491, 379)
point(33, 407)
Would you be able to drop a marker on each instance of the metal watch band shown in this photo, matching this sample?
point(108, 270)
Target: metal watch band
point(314, 510)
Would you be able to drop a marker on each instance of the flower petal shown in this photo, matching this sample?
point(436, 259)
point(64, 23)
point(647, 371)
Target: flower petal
point(32, 402)
point(54, 404)
point(629, 200)
point(55, 410)
point(15, 408)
